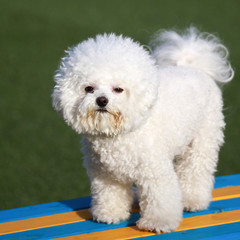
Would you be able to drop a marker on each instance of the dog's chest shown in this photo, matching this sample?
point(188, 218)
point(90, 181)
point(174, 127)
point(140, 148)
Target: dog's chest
point(117, 157)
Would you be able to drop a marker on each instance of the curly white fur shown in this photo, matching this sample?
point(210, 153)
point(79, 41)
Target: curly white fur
point(202, 51)
point(153, 120)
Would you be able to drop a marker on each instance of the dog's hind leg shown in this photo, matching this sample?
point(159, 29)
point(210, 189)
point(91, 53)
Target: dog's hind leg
point(197, 166)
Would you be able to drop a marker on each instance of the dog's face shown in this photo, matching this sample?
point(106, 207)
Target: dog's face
point(106, 85)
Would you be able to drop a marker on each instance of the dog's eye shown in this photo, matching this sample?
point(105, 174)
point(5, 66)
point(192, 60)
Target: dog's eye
point(89, 89)
point(118, 90)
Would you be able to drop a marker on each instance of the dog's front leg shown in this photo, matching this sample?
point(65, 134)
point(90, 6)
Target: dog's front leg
point(111, 200)
point(160, 199)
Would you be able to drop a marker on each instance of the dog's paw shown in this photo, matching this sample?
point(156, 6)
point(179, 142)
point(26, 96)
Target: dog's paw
point(196, 202)
point(158, 226)
point(195, 205)
point(110, 215)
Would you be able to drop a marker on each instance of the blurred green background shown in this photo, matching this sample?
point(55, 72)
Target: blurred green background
point(40, 158)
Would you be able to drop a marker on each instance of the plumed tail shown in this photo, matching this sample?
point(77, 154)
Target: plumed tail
point(202, 51)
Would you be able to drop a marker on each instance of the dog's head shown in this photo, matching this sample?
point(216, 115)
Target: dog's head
point(105, 85)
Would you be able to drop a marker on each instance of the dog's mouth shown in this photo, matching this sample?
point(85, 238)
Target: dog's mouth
point(103, 120)
point(102, 110)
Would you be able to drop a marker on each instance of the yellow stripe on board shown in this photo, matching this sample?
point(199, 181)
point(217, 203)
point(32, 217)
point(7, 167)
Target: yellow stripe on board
point(46, 221)
point(82, 215)
point(187, 224)
point(226, 193)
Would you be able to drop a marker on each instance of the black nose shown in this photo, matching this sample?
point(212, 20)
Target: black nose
point(102, 101)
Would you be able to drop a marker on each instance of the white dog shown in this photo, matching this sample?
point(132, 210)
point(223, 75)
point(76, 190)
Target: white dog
point(152, 119)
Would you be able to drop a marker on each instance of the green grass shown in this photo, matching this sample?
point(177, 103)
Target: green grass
point(40, 158)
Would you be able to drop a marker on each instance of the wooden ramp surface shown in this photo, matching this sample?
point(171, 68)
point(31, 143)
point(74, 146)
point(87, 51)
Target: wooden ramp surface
point(71, 219)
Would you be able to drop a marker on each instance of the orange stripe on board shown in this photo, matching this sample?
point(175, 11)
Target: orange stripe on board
point(187, 224)
point(46, 221)
point(226, 193)
point(82, 215)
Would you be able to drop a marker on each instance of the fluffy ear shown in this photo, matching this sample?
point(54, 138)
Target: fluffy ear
point(56, 101)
